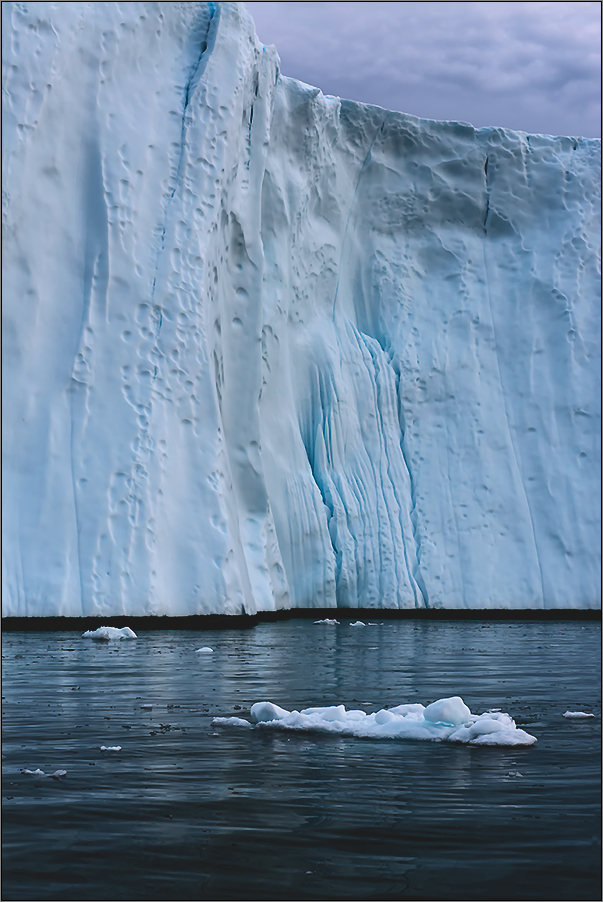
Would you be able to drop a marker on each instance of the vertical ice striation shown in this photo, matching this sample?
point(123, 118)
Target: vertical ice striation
point(265, 348)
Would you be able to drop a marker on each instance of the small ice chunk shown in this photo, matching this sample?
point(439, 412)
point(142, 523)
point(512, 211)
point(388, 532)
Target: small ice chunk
point(110, 748)
point(358, 623)
point(492, 728)
point(577, 715)
point(146, 707)
point(106, 633)
point(40, 773)
point(505, 737)
point(334, 622)
point(231, 722)
point(415, 709)
point(448, 710)
point(127, 633)
point(206, 650)
point(330, 714)
point(262, 712)
point(514, 773)
point(384, 716)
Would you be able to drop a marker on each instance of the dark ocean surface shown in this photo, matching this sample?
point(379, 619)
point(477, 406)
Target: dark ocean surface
point(187, 810)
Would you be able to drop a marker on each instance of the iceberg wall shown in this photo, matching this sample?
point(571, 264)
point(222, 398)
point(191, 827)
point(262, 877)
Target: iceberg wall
point(266, 349)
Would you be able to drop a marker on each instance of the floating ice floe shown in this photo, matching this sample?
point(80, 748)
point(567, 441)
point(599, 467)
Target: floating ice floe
point(358, 623)
point(40, 773)
point(334, 622)
point(110, 748)
point(446, 719)
point(577, 715)
point(206, 650)
point(106, 633)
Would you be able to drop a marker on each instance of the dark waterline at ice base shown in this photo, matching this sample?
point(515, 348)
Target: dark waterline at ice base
point(187, 809)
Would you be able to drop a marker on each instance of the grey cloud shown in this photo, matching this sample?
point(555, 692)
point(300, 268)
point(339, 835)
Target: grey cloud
point(533, 66)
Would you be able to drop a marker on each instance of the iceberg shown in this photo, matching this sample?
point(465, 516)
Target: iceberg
point(447, 719)
point(267, 349)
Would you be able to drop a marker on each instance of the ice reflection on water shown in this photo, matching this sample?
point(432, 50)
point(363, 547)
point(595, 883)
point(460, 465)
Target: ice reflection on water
point(188, 811)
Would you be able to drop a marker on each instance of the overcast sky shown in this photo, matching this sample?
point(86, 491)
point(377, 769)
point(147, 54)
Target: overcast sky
point(530, 66)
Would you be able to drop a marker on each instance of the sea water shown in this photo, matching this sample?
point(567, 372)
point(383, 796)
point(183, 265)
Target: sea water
point(135, 793)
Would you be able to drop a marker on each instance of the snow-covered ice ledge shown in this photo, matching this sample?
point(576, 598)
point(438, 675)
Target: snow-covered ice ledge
point(268, 349)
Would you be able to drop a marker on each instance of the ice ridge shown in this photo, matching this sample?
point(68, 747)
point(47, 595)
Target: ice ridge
point(268, 349)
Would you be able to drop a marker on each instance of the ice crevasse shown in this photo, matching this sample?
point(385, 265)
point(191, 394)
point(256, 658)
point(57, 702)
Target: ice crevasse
point(266, 348)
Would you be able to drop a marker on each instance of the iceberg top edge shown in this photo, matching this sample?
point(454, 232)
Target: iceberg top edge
point(422, 121)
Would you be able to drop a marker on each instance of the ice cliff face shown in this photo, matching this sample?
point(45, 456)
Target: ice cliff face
point(266, 348)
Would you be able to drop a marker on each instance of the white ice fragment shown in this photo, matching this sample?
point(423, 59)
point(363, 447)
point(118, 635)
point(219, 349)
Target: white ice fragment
point(329, 714)
point(146, 707)
point(40, 773)
point(231, 722)
point(110, 748)
point(106, 633)
point(384, 716)
point(206, 650)
point(415, 709)
point(358, 623)
point(262, 712)
point(505, 737)
point(334, 622)
point(577, 715)
point(514, 773)
point(448, 710)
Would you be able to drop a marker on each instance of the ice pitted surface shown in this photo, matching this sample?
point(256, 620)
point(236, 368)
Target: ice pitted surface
point(266, 348)
point(448, 718)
